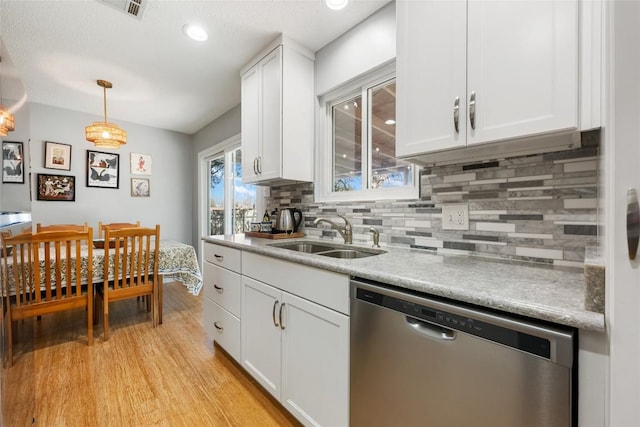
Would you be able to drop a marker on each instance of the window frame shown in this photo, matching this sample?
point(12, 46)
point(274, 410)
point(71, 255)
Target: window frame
point(221, 149)
point(324, 179)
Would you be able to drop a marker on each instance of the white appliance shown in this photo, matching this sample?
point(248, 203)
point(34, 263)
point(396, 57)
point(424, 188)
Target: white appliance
point(14, 221)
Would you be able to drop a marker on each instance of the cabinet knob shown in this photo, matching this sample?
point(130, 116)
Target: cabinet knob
point(456, 114)
point(472, 110)
point(273, 314)
point(633, 223)
point(280, 316)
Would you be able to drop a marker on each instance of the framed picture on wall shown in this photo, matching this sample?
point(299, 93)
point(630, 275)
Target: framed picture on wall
point(56, 187)
point(12, 162)
point(140, 164)
point(140, 187)
point(103, 169)
point(57, 156)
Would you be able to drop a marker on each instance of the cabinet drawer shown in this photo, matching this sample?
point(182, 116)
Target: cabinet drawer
point(222, 256)
point(222, 327)
point(223, 287)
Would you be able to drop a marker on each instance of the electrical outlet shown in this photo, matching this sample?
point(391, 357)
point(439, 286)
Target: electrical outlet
point(455, 217)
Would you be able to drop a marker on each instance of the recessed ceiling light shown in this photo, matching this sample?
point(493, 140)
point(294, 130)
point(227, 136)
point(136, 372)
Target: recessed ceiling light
point(390, 122)
point(336, 4)
point(195, 32)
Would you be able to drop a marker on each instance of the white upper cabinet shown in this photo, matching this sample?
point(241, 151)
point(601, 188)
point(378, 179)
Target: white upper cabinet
point(482, 71)
point(277, 115)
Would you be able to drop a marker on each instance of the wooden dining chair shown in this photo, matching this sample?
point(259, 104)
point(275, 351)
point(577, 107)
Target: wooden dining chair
point(131, 265)
point(62, 227)
point(115, 226)
point(44, 274)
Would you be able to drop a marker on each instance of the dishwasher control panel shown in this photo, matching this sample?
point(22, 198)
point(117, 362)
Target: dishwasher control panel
point(509, 337)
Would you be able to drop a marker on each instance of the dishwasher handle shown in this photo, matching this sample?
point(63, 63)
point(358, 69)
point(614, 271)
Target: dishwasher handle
point(430, 330)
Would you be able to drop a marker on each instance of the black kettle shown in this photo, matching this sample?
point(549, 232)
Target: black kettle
point(294, 213)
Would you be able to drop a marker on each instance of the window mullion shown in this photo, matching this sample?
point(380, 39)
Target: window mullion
point(228, 193)
point(365, 141)
point(330, 151)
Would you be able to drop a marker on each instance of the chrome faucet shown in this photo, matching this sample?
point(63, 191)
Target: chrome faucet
point(346, 232)
point(376, 237)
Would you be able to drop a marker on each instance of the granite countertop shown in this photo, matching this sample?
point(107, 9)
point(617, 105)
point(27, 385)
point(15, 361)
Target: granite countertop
point(554, 294)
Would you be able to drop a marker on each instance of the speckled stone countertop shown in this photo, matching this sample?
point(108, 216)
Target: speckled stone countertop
point(547, 293)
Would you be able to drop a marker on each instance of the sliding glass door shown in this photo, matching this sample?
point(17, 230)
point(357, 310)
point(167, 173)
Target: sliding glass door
point(232, 205)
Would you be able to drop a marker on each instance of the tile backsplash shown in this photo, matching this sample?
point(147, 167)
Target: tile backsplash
point(539, 208)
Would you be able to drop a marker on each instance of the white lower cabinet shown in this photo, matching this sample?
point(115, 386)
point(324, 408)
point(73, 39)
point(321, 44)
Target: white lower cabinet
point(287, 324)
point(222, 292)
point(299, 351)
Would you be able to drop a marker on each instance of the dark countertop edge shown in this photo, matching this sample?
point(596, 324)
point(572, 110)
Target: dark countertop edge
point(581, 319)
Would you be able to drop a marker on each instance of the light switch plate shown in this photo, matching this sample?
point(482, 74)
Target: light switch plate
point(455, 217)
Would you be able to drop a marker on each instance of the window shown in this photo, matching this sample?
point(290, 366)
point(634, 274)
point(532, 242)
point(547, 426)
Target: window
point(357, 149)
point(231, 205)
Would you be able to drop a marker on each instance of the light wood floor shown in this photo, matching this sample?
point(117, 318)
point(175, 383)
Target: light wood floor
point(168, 376)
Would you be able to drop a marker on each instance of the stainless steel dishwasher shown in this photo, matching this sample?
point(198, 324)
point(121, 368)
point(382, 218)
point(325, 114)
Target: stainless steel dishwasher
point(418, 361)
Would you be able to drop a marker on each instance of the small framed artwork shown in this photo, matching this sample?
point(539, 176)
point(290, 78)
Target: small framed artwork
point(57, 156)
point(56, 187)
point(12, 162)
point(140, 187)
point(140, 164)
point(103, 169)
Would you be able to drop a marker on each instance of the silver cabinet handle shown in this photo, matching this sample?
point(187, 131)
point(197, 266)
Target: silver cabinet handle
point(472, 110)
point(217, 288)
point(218, 257)
point(259, 164)
point(280, 316)
point(633, 222)
point(220, 328)
point(456, 114)
point(255, 167)
point(273, 314)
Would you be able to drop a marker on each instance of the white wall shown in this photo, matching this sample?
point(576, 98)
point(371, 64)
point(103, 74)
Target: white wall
point(363, 48)
point(171, 187)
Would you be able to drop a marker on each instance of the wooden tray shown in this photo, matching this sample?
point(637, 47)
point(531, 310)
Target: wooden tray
point(274, 236)
point(99, 243)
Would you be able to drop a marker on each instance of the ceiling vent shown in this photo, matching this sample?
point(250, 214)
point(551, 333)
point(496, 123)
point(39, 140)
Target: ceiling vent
point(133, 8)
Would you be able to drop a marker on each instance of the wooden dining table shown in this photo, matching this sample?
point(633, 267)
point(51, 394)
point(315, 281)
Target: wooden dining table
point(177, 261)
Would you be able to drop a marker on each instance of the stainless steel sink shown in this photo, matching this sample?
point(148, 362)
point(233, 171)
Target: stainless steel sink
point(332, 251)
point(348, 254)
point(310, 248)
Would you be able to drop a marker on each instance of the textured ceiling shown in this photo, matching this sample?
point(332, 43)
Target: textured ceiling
point(55, 50)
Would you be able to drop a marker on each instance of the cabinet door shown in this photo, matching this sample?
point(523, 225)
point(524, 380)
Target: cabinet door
point(250, 123)
point(271, 110)
point(315, 363)
point(431, 74)
point(261, 347)
point(523, 67)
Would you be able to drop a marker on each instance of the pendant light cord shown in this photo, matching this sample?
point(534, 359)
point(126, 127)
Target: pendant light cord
point(104, 88)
